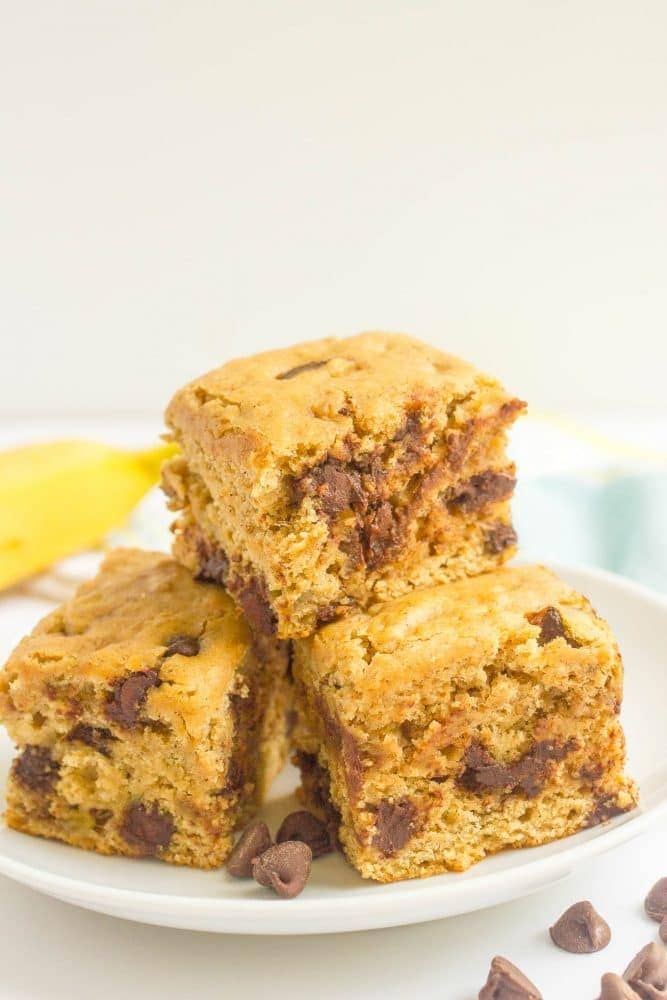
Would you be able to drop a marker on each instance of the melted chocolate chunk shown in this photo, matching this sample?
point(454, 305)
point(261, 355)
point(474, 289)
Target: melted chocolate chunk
point(309, 366)
point(213, 564)
point(146, 828)
point(317, 788)
point(254, 840)
point(551, 626)
point(284, 868)
point(506, 982)
point(253, 596)
point(333, 487)
point(480, 490)
point(482, 773)
point(328, 613)
point(304, 826)
point(655, 903)
point(345, 745)
point(381, 534)
point(394, 825)
point(183, 645)
point(581, 930)
point(128, 696)
point(499, 537)
point(647, 972)
point(605, 808)
point(96, 737)
point(36, 769)
point(101, 817)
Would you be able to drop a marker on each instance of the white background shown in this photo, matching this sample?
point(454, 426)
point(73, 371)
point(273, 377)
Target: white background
point(184, 181)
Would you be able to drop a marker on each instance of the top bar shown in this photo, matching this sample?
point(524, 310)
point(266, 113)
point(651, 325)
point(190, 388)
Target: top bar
point(337, 473)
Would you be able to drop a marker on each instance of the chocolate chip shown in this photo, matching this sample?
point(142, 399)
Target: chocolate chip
point(146, 828)
point(128, 696)
point(213, 563)
point(284, 868)
point(183, 645)
point(662, 930)
point(307, 828)
point(328, 613)
point(499, 537)
point(528, 774)
point(655, 903)
point(605, 808)
point(612, 987)
point(96, 737)
point(307, 367)
point(581, 930)
point(480, 490)
point(394, 825)
point(36, 769)
point(333, 487)
point(381, 534)
point(254, 840)
point(506, 982)
point(551, 626)
point(253, 596)
point(101, 817)
point(647, 972)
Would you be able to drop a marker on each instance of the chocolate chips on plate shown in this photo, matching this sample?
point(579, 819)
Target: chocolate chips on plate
point(285, 865)
point(254, 840)
point(284, 868)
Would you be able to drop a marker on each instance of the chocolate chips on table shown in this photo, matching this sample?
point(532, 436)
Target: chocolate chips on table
point(506, 982)
point(647, 972)
point(613, 987)
point(655, 903)
point(254, 840)
point(284, 868)
point(581, 930)
point(308, 829)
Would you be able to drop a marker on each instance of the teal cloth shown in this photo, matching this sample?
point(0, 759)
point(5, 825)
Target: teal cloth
point(617, 522)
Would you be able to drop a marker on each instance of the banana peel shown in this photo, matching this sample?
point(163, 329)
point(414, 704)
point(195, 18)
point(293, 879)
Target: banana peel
point(64, 496)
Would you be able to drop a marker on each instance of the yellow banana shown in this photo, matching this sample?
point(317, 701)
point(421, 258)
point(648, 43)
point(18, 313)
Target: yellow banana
point(64, 496)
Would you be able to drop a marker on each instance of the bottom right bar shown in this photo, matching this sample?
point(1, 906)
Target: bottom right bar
point(460, 720)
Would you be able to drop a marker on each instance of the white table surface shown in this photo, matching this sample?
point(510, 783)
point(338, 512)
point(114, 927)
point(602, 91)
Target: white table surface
point(49, 949)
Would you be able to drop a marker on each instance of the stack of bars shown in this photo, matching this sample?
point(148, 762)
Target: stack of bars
point(343, 517)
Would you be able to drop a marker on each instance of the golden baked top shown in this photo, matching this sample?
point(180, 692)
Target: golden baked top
point(301, 401)
point(143, 612)
point(516, 617)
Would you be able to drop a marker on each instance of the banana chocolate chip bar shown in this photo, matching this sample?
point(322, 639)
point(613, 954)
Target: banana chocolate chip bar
point(337, 473)
point(148, 720)
point(459, 720)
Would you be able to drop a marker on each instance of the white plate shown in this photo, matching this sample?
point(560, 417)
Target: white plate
point(337, 899)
